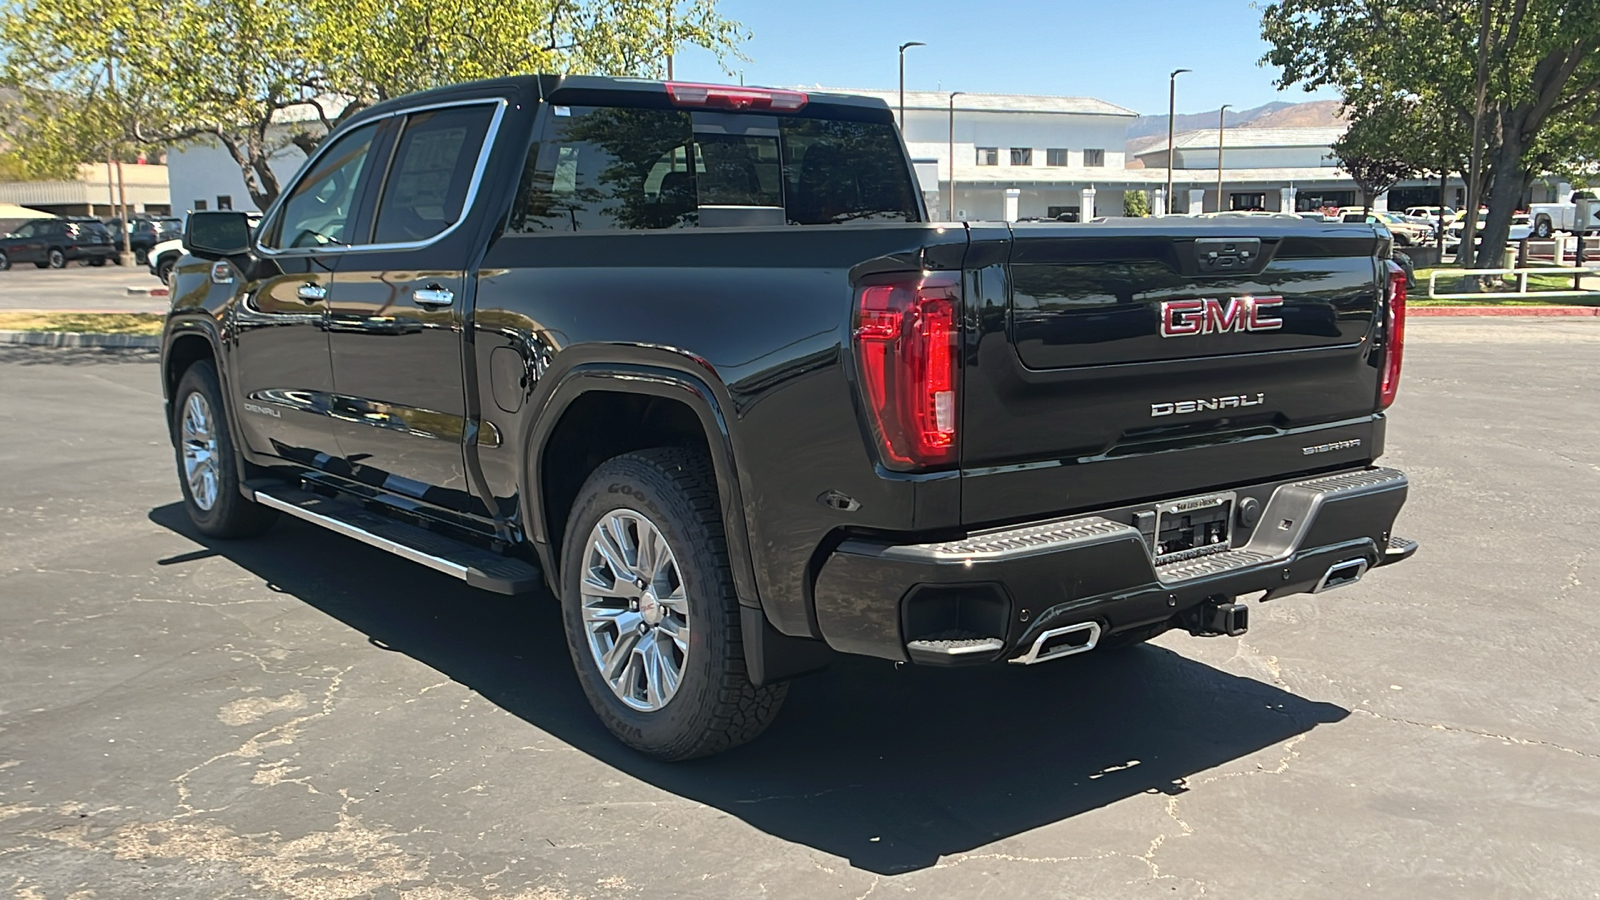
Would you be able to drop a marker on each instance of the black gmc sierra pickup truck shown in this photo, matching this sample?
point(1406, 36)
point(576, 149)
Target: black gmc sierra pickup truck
point(694, 359)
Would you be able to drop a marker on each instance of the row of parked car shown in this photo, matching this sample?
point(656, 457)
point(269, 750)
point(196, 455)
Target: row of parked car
point(54, 242)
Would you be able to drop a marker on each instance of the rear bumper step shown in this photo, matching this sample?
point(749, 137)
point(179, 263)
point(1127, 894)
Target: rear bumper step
point(1313, 535)
point(476, 566)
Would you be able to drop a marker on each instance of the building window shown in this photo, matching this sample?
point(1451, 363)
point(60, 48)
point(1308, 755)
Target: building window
point(1247, 201)
point(1063, 213)
point(200, 206)
point(1094, 157)
point(224, 201)
point(988, 156)
point(1022, 156)
point(1056, 156)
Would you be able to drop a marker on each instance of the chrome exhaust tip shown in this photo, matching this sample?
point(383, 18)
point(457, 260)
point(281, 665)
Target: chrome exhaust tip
point(1068, 640)
point(1341, 574)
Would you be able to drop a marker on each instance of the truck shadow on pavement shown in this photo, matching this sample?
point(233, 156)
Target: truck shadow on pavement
point(889, 768)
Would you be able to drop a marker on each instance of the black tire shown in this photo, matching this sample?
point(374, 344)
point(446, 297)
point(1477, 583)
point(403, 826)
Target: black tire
point(141, 257)
point(97, 261)
point(715, 706)
point(164, 268)
point(230, 515)
point(56, 259)
point(1542, 229)
point(5, 262)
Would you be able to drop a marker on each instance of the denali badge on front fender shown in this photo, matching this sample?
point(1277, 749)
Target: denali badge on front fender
point(1181, 407)
point(1185, 318)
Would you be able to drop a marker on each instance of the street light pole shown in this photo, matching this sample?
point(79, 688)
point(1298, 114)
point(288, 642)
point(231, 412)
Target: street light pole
point(953, 96)
point(903, 48)
point(1221, 126)
point(1172, 153)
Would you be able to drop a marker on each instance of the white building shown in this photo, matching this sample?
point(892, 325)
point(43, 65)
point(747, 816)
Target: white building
point(96, 191)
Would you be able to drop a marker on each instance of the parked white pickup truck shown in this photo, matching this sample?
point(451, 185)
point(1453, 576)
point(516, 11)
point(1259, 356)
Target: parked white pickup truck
point(1549, 218)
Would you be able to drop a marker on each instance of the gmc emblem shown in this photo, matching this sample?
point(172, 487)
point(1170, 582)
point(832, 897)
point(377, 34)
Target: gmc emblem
point(1185, 318)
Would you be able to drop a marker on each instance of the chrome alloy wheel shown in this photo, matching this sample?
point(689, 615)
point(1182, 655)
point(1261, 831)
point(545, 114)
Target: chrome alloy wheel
point(635, 611)
point(199, 442)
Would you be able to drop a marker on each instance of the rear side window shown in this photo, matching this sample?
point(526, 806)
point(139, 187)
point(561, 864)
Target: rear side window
point(430, 173)
point(608, 168)
point(616, 168)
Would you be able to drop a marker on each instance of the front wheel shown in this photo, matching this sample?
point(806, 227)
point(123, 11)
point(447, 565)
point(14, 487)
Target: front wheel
point(97, 261)
point(56, 259)
point(1543, 229)
point(651, 618)
point(209, 477)
point(164, 268)
point(5, 262)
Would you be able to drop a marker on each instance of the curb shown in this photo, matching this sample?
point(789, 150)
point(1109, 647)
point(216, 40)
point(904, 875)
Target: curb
point(76, 339)
point(1521, 311)
point(147, 291)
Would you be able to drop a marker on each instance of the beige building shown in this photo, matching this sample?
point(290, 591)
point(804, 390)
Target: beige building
point(94, 192)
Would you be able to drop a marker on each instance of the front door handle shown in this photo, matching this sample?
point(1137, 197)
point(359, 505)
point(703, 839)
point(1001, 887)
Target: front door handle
point(312, 293)
point(433, 296)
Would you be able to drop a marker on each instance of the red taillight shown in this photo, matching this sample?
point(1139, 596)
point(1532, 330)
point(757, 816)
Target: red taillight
point(740, 98)
point(906, 356)
point(1394, 342)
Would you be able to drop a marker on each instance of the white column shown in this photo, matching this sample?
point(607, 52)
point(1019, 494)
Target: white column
point(1286, 199)
point(1012, 198)
point(1086, 204)
point(1158, 202)
point(1197, 201)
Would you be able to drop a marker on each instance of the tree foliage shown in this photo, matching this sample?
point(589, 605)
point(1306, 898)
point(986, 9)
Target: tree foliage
point(1543, 75)
point(1135, 204)
point(258, 77)
point(1375, 150)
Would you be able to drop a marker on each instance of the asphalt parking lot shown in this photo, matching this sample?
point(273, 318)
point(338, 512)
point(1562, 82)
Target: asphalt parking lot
point(100, 289)
point(303, 717)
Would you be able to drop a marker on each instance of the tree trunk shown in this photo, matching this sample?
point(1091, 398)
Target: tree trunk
point(1509, 180)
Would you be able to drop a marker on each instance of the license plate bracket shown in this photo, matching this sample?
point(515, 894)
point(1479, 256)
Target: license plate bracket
point(1193, 527)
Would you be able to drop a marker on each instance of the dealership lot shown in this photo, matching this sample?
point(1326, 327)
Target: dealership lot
point(187, 718)
point(102, 289)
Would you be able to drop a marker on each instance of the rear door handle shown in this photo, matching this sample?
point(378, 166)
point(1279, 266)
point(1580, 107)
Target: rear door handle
point(312, 293)
point(433, 296)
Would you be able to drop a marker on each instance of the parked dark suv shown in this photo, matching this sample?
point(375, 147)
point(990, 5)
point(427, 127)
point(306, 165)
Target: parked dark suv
point(146, 233)
point(55, 242)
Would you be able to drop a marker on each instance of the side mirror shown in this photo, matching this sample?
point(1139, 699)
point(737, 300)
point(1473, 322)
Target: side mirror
point(217, 234)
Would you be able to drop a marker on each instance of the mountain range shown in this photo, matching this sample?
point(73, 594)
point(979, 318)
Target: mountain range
point(1148, 131)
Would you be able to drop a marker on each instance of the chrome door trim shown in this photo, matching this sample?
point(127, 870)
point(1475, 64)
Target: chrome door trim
point(500, 104)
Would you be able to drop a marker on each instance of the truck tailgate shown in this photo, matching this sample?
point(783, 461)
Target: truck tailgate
point(1112, 362)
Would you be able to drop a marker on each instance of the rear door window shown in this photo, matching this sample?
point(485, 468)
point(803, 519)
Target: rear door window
point(612, 168)
point(431, 172)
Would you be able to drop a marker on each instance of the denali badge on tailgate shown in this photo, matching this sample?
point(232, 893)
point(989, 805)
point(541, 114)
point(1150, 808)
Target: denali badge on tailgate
point(1184, 318)
point(1183, 407)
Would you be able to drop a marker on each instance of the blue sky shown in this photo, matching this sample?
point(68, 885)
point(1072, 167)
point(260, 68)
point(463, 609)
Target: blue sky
point(1116, 50)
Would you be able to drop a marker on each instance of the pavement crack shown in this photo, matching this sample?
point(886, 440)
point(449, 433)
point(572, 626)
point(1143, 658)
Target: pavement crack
point(1457, 729)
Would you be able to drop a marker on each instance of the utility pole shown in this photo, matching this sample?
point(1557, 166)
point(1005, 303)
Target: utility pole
point(903, 48)
point(1474, 168)
point(1221, 127)
point(1172, 153)
point(953, 96)
point(671, 45)
point(126, 255)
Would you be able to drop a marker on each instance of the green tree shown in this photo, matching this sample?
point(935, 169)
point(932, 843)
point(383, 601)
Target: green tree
point(259, 77)
point(1540, 70)
point(1377, 150)
point(1135, 204)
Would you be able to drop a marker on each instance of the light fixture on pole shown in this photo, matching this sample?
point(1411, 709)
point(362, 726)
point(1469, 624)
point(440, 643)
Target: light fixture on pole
point(903, 48)
point(1172, 153)
point(1221, 125)
point(953, 96)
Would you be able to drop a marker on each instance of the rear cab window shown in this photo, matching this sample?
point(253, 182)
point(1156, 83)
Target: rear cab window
point(622, 168)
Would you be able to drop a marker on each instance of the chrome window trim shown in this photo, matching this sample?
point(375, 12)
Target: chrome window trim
point(482, 165)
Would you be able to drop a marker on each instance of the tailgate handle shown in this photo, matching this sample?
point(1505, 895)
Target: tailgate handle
point(1218, 255)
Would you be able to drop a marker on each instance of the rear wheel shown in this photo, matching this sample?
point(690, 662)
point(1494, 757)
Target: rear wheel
point(164, 268)
point(5, 262)
point(209, 477)
point(651, 618)
point(97, 261)
point(56, 259)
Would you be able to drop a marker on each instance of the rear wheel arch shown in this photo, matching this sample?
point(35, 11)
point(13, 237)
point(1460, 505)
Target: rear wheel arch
point(597, 414)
